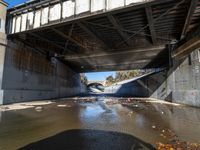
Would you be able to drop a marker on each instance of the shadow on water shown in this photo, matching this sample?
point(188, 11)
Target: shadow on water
point(89, 140)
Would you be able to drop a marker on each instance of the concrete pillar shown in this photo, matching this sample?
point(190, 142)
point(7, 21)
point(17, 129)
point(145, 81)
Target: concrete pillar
point(181, 83)
point(3, 42)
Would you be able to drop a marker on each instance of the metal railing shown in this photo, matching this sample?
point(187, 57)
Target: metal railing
point(32, 15)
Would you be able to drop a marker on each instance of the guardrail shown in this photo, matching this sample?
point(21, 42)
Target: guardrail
point(31, 16)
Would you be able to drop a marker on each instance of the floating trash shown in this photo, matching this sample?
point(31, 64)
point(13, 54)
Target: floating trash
point(178, 146)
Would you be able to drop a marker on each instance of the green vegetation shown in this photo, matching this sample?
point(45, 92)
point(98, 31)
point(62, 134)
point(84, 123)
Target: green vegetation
point(122, 75)
point(84, 79)
point(110, 80)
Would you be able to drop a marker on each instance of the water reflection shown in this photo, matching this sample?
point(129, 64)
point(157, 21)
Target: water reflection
point(152, 122)
point(0, 116)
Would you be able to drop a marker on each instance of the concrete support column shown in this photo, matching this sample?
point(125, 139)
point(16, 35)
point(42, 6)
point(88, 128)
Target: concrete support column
point(181, 83)
point(3, 43)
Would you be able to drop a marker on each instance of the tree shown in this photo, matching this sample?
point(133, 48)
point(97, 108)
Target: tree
point(110, 80)
point(123, 75)
point(84, 79)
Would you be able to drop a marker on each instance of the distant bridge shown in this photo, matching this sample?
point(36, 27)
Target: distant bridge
point(100, 82)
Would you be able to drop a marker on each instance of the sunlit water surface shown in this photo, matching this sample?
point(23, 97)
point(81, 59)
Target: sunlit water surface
point(151, 122)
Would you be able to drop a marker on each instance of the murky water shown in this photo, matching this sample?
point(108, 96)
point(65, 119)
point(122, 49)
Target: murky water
point(150, 122)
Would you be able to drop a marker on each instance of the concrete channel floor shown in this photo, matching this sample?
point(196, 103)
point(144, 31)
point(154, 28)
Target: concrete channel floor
point(99, 123)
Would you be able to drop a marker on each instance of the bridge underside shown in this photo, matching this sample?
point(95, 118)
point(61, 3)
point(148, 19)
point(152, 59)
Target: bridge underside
point(131, 37)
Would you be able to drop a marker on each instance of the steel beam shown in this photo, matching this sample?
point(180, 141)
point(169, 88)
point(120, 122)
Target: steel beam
point(190, 13)
point(122, 66)
point(186, 48)
point(119, 28)
point(93, 35)
point(68, 38)
point(139, 50)
point(150, 21)
point(126, 63)
point(46, 40)
point(156, 19)
point(67, 41)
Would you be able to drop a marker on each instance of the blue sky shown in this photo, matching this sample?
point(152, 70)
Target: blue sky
point(14, 2)
point(99, 76)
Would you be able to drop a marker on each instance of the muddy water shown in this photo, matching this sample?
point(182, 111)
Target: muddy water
point(150, 122)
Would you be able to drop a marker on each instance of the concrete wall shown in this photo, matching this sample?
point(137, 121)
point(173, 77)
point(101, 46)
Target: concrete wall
point(3, 42)
point(132, 87)
point(3, 11)
point(128, 89)
point(181, 83)
point(25, 74)
point(28, 75)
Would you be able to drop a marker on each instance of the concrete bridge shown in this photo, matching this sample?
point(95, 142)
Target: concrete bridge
point(49, 42)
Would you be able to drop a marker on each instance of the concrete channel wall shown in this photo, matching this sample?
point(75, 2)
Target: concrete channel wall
point(179, 84)
point(3, 41)
point(28, 75)
point(133, 87)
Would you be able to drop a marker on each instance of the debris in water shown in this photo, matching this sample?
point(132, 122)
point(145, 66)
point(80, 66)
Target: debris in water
point(112, 102)
point(4, 108)
point(38, 109)
point(64, 105)
point(86, 100)
point(130, 114)
point(61, 105)
point(178, 146)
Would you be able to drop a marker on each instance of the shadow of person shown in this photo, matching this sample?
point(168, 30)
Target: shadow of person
point(89, 140)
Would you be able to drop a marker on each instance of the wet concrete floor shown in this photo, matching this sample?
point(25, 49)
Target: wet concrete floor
point(99, 123)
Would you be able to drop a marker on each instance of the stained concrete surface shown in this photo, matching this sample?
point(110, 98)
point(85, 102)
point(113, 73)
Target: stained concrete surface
point(146, 121)
point(27, 75)
point(180, 84)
